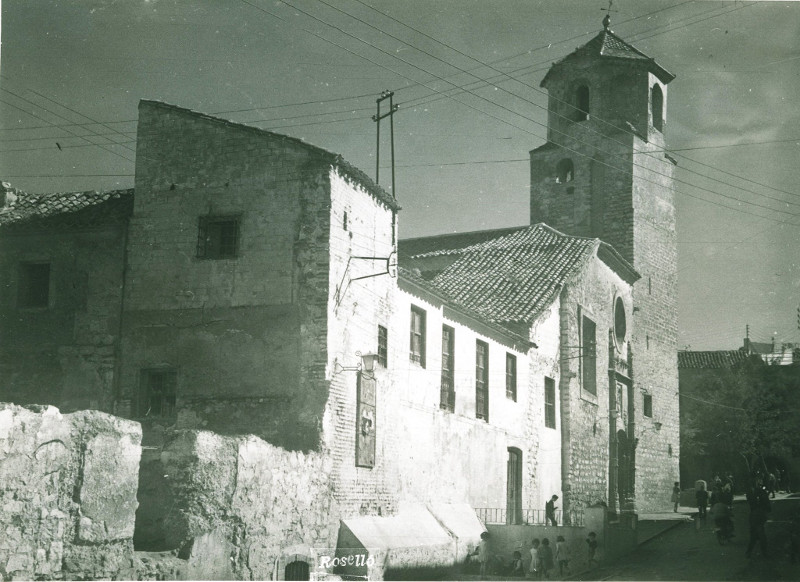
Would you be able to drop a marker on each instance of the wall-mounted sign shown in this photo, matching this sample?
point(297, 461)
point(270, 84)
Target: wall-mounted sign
point(365, 421)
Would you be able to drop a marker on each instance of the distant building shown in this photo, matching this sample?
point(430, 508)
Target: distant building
point(780, 354)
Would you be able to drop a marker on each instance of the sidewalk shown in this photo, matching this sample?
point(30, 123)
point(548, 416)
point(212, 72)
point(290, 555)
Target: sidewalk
point(652, 524)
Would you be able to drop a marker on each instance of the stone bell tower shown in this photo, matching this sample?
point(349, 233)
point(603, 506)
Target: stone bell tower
point(604, 173)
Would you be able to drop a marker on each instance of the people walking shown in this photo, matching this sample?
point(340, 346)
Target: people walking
point(758, 500)
point(701, 496)
point(772, 485)
point(676, 496)
point(550, 511)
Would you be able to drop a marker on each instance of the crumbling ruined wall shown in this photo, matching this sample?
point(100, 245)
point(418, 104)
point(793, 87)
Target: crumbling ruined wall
point(234, 507)
point(67, 494)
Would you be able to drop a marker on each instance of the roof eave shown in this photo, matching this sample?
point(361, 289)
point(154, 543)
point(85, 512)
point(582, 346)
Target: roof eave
point(612, 258)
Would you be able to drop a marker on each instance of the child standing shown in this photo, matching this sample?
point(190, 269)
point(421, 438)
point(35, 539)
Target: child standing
point(676, 496)
point(483, 552)
point(592, 541)
point(546, 558)
point(533, 569)
point(516, 568)
point(562, 555)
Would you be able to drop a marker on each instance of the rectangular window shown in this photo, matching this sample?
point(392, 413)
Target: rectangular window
point(417, 353)
point(383, 346)
point(648, 405)
point(448, 394)
point(218, 237)
point(549, 402)
point(588, 355)
point(34, 285)
point(482, 380)
point(158, 392)
point(511, 376)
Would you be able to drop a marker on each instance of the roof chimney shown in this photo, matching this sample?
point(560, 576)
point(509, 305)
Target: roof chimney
point(8, 196)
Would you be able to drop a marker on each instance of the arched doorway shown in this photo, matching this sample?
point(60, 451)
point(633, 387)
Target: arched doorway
point(297, 570)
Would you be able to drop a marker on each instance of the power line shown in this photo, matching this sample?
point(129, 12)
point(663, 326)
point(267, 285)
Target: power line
point(503, 107)
point(57, 115)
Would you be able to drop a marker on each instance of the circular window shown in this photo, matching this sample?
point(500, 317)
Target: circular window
point(620, 322)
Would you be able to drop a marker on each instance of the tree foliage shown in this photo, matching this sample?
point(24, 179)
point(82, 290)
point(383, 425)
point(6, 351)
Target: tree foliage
point(749, 412)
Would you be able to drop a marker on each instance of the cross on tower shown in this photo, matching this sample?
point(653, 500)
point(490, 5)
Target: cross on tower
point(607, 17)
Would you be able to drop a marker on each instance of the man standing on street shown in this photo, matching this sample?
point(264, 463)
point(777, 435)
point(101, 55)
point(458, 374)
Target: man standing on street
point(758, 499)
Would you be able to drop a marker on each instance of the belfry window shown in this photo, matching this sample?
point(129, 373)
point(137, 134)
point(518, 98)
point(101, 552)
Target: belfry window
point(657, 100)
point(565, 171)
point(582, 103)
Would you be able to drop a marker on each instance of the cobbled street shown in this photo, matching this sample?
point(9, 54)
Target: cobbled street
point(684, 553)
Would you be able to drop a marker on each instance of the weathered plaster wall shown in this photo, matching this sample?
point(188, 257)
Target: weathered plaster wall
point(67, 493)
point(236, 507)
point(245, 335)
point(62, 354)
point(454, 456)
point(360, 226)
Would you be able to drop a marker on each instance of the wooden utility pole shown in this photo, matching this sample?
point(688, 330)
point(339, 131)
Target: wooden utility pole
point(377, 119)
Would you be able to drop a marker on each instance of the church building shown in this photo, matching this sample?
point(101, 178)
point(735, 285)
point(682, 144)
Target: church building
point(252, 304)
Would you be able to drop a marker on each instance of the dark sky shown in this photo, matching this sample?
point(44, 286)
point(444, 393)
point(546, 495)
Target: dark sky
point(466, 77)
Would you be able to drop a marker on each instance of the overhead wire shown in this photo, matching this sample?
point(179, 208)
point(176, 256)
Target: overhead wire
point(505, 75)
point(722, 205)
point(528, 118)
point(102, 146)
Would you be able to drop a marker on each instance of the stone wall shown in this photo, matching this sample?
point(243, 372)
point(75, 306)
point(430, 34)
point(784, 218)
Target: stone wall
point(62, 354)
point(67, 493)
point(234, 507)
point(655, 341)
point(586, 417)
point(621, 190)
point(243, 336)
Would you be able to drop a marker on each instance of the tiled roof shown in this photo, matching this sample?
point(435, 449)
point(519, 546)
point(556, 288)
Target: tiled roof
point(442, 242)
point(22, 208)
point(608, 44)
point(711, 360)
point(510, 277)
point(412, 276)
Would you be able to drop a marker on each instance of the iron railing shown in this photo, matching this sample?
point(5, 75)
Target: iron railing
point(503, 516)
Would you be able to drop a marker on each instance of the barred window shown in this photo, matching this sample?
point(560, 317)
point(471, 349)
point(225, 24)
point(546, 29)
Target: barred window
point(482, 380)
point(383, 346)
point(511, 376)
point(417, 349)
point(549, 403)
point(447, 394)
point(588, 351)
point(218, 237)
point(158, 392)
